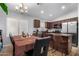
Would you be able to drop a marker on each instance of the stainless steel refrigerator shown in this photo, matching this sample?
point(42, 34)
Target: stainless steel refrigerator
point(71, 27)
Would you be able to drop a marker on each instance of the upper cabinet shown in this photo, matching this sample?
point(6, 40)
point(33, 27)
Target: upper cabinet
point(36, 23)
point(58, 24)
point(48, 25)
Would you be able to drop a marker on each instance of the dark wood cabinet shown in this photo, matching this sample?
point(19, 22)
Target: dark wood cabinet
point(48, 25)
point(36, 23)
point(57, 25)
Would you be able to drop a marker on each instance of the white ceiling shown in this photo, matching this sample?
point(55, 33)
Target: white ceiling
point(55, 9)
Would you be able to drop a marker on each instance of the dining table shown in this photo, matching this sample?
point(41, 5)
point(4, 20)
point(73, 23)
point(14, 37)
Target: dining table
point(23, 44)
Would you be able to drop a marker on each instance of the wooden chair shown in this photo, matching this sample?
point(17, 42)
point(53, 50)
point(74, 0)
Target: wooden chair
point(13, 43)
point(40, 47)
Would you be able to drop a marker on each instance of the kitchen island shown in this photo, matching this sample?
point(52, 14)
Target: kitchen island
point(61, 42)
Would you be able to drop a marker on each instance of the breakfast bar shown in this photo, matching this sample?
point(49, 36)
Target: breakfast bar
point(61, 42)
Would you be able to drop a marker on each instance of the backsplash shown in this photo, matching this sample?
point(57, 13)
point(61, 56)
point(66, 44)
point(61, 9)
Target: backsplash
point(53, 30)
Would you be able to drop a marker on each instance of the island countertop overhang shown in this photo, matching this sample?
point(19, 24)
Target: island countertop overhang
point(60, 34)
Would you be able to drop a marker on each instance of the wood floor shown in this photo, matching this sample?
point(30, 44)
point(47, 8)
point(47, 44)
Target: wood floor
point(7, 51)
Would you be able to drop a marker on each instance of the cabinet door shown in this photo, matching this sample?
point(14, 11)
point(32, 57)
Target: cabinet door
point(48, 25)
point(36, 23)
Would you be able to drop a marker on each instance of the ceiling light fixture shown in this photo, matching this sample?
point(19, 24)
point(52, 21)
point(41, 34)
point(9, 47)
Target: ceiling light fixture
point(42, 11)
point(63, 7)
point(22, 8)
point(50, 15)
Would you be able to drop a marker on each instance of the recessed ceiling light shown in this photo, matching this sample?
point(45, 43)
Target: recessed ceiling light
point(50, 15)
point(63, 7)
point(42, 11)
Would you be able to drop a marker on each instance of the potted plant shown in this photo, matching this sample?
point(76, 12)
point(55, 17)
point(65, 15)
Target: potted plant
point(4, 7)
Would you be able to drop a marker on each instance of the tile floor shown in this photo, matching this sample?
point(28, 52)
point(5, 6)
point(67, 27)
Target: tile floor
point(74, 52)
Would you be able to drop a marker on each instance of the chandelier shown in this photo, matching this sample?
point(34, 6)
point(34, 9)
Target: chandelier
point(22, 8)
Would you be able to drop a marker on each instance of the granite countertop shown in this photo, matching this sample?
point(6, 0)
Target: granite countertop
point(60, 34)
